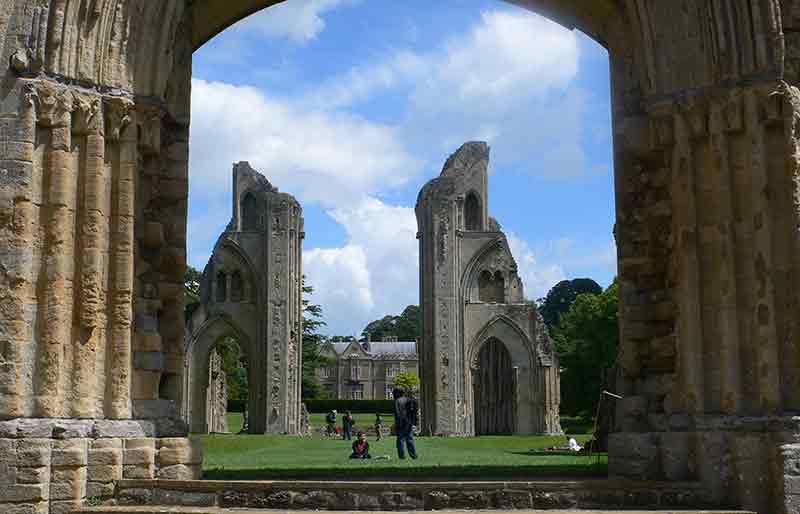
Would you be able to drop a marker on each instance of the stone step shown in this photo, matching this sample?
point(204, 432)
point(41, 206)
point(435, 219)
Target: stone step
point(287, 495)
point(219, 510)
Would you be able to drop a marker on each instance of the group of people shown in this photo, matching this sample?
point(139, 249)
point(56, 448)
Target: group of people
point(406, 417)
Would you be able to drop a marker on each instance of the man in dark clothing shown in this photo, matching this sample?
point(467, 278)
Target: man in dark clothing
point(405, 417)
point(360, 448)
point(347, 426)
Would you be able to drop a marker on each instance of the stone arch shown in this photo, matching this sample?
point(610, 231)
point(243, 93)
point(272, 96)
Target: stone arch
point(479, 275)
point(250, 291)
point(522, 362)
point(473, 212)
point(198, 352)
point(249, 212)
point(494, 390)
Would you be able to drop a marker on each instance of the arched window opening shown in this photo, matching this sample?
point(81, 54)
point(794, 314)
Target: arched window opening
point(222, 287)
point(237, 287)
point(472, 213)
point(249, 212)
point(491, 288)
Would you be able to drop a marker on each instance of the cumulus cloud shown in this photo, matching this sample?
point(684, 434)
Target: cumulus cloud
point(507, 80)
point(537, 275)
point(373, 274)
point(328, 157)
point(297, 20)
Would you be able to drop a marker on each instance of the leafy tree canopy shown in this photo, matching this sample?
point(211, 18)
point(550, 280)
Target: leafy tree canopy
point(586, 339)
point(562, 295)
point(408, 381)
point(405, 327)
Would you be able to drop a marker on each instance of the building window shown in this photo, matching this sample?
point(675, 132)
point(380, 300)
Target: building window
point(222, 287)
point(472, 213)
point(389, 395)
point(355, 370)
point(393, 370)
point(324, 372)
point(237, 287)
point(249, 212)
point(357, 393)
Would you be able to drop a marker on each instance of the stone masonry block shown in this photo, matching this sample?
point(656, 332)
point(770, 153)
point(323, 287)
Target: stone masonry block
point(141, 471)
point(8, 473)
point(179, 472)
point(100, 489)
point(114, 429)
point(105, 457)
point(104, 473)
point(33, 475)
point(33, 453)
point(179, 450)
point(8, 450)
point(69, 452)
point(68, 474)
point(675, 448)
point(633, 455)
point(67, 491)
point(23, 492)
point(24, 508)
point(65, 506)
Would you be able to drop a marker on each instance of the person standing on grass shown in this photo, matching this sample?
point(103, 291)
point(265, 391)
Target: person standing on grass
point(405, 418)
point(347, 426)
point(378, 427)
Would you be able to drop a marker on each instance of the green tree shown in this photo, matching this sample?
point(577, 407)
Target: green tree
point(408, 381)
point(312, 344)
point(586, 339)
point(191, 291)
point(235, 368)
point(562, 295)
point(405, 327)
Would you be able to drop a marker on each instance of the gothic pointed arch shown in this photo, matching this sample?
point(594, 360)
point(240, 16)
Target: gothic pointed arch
point(473, 212)
point(249, 212)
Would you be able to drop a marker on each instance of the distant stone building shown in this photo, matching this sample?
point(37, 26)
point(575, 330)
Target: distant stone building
point(251, 290)
point(488, 364)
point(366, 370)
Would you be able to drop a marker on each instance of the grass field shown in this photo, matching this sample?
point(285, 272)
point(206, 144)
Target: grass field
point(252, 457)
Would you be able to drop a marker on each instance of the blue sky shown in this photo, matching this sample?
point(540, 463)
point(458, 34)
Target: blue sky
point(352, 105)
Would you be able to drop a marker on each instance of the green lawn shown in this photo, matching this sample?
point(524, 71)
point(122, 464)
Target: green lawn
point(251, 457)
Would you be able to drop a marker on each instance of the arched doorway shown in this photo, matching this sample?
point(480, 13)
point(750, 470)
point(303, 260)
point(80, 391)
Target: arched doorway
point(494, 390)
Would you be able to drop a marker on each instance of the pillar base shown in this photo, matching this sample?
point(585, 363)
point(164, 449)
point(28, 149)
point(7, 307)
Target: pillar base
point(53, 466)
point(743, 462)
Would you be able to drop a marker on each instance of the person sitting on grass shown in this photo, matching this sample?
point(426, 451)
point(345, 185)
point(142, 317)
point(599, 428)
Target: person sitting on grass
point(360, 448)
point(573, 444)
point(330, 421)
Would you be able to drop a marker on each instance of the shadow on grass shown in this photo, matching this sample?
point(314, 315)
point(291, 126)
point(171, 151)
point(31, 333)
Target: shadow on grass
point(555, 453)
point(430, 473)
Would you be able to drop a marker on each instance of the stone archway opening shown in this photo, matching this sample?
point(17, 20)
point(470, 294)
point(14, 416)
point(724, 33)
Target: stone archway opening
point(494, 389)
point(705, 109)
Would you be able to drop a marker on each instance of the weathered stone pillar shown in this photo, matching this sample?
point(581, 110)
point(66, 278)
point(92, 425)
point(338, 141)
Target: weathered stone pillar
point(55, 307)
point(122, 128)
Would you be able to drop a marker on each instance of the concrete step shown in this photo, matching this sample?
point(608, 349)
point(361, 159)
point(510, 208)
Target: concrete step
point(219, 510)
point(285, 495)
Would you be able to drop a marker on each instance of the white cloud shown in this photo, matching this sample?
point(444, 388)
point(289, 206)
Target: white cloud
point(537, 276)
point(373, 274)
point(332, 158)
point(507, 80)
point(297, 20)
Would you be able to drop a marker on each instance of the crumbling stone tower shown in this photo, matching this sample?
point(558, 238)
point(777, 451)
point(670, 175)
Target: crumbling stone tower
point(251, 289)
point(486, 359)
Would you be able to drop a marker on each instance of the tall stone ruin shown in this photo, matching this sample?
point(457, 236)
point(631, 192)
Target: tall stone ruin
point(251, 290)
point(487, 361)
